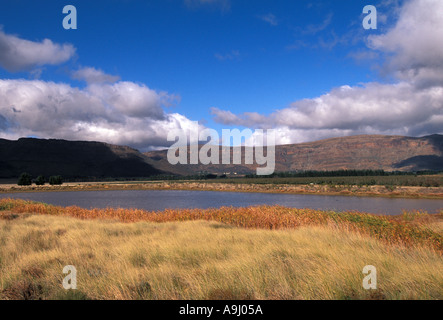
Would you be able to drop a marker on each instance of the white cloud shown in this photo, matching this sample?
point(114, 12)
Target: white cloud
point(247, 119)
point(93, 75)
point(130, 99)
point(234, 54)
point(411, 106)
point(414, 45)
point(17, 54)
point(375, 107)
point(122, 113)
point(269, 18)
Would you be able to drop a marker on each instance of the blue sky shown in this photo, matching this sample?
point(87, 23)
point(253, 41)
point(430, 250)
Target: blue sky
point(225, 63)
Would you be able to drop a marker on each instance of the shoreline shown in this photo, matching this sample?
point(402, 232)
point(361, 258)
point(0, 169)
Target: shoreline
point(356, 191)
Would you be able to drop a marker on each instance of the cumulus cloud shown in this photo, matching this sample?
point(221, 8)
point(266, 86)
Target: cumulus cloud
point(121, 113)
point(107, 109)
point(413, 105)
point(414, 45)
point(131, 99)
point(18, 54)
point(373, 108)
point(93, 75)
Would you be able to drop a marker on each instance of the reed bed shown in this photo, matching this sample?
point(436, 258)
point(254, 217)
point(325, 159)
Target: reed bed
point(226, 253)
point(392, 230)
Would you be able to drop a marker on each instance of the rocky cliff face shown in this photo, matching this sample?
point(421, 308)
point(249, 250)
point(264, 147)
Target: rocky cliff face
point(360, 152)
point(388, 153)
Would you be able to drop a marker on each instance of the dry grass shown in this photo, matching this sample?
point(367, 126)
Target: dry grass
point(265, 185)
point(208, 259)
point(393, 230)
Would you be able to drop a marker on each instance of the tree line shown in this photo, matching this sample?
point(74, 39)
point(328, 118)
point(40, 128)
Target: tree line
point(340, 173)
point(25, 179)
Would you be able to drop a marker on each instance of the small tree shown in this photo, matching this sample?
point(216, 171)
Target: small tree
point(211, 176)
point(55, 180)
point(25, 179)
point(40, 181)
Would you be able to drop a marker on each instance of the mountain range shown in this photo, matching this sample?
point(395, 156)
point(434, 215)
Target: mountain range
point(375, 152)
point(82, 159)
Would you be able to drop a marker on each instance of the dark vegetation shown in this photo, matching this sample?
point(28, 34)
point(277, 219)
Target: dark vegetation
point(40, 180)
point(342, 173)
point(388, 181)
point(340, 177)
point(55, 180)
point(25, 179)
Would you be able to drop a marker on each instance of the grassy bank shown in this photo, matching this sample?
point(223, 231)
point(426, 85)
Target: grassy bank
point(385, 180)
point(243, 185)
point(334, 178)
point(246, 253)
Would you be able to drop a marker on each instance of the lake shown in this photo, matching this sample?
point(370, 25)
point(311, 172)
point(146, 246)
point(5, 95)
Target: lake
point(161, 199)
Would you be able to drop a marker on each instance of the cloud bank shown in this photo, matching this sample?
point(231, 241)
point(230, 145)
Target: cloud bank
point(107, 109)
point(121, 113)
point(412, 105)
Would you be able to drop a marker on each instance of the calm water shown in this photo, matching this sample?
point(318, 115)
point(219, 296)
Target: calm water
point(159, 200)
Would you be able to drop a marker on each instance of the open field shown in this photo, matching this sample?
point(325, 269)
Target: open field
point(227, 253)
point(278, 185)
point(387, 180)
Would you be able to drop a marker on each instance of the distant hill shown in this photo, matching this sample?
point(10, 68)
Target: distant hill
point(376, 152)
point(71, 159)
point(82, 159)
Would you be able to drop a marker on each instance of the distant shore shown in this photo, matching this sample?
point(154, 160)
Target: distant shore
point(368, 191)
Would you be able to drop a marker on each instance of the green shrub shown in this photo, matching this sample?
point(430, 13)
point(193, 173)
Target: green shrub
point(40, 181)
point(25, 179)
point(55, 180)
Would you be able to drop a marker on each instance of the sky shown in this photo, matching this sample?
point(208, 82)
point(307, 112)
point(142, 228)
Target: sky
point(134, 70)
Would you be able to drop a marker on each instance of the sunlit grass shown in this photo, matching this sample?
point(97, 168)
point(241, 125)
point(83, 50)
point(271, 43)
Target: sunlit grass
point(389, 229)
point(228, 253)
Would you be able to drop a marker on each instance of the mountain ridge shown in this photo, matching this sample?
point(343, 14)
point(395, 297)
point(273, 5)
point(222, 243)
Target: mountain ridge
point(84, 159)
point(71, 159)
point(377, 152)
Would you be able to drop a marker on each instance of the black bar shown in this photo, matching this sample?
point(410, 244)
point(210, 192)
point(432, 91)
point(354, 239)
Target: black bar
point(197, 309)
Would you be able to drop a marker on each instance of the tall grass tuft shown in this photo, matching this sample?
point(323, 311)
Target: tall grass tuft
point(389, 229)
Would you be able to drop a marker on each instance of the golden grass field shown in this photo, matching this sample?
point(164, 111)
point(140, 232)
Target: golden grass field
point(227, 253)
